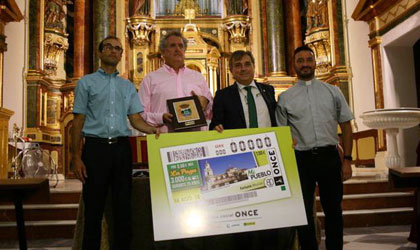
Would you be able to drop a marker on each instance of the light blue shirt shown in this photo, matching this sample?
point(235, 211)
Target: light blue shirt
point(106, 100)
point(313, 110)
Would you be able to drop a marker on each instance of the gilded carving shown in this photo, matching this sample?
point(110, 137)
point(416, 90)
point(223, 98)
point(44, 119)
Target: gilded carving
point(395, 12)
point(68, 101)
point(54, 46)
point(55, 14)
point(317, 15)
point(318, 35)
point(185, 5)
point(140, 30)
point(213, 57)
point(237, 27)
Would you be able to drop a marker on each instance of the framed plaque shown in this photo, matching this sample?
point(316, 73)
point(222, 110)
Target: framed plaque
point(187, 113)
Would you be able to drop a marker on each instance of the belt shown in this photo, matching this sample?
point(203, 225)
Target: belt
point(318, 150)
point(109, 140)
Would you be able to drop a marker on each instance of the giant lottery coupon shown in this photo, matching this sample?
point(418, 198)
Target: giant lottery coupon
point(208, 183)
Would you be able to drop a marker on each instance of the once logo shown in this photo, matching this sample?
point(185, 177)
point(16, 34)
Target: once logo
point(246, 213)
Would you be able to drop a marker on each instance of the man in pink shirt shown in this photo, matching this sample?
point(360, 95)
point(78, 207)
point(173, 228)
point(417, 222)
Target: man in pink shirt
point(172, 80)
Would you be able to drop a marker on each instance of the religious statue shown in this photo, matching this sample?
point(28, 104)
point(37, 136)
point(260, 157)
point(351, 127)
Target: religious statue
point(140, 7)
point(236, 7)
point(184, 6)
point(317, 14)
point(54, 14)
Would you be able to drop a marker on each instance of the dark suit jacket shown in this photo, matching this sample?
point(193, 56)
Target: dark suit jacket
point(228, 111)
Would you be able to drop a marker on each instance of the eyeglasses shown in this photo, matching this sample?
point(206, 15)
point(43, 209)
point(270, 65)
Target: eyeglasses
point(109, 47)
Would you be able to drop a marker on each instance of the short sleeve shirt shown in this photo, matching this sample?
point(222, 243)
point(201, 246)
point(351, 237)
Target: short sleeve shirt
point(106, 100)
point(313, 110)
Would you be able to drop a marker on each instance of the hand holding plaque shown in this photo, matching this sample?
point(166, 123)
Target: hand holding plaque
point(187, 113)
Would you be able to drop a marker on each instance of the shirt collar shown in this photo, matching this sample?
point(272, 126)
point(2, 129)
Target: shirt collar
point(252, 84)
point(169, 69)
point(102, 71)
point(306, 83)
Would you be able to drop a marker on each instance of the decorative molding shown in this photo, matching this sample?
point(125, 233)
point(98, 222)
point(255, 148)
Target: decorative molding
point(383, 14)
point(319, 42)
point(54, 47)
point(10, 12)
point(187, 7)
point(237, 26)
point(140, 29)
point(68, 101)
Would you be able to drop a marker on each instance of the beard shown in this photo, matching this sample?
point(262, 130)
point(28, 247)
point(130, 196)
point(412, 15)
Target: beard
point(303, 75)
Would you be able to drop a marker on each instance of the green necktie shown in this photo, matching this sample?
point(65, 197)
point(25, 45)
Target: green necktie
point(252, 109)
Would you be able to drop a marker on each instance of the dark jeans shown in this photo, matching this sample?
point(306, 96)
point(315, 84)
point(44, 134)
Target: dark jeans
point(107, 165)
point(321, 166)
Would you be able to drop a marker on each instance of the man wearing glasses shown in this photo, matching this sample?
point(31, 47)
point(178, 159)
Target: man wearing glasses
point(103, 100)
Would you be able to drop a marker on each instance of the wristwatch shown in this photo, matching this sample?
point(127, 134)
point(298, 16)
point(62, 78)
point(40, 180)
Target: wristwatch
point(348, 157)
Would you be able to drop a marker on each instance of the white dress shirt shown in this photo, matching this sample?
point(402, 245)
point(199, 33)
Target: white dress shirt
point(263, 114)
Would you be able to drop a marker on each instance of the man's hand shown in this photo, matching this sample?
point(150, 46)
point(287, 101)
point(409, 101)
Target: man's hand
point(219, 128)
point(203, 101)
point(137, 121)
point(79, 169)
point(155, 131)
point(346, 170)
point(294, 142)
point(167, 118)
point(76, 132)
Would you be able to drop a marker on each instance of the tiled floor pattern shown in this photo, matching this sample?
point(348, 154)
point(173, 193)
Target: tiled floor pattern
point(370, 238)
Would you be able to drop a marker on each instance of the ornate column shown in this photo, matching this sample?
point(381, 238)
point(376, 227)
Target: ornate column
point(378, 88)
point(8, 13)
point(264, 39)
point(139, 28)
point(55, 38)
point(82, 54)
point(318, 36)
point(276, 39)
point(293, 34)
point(237, 26)
point(101, 25)
point(46, 76)
point(375, 46)
point(213, 64)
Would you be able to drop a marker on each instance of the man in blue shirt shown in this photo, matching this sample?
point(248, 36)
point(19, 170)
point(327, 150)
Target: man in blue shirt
point(103, 100)
point(313, 109)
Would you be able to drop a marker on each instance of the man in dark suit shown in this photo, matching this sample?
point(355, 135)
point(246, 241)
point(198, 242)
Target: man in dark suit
point(233, 106)
point(248, 104)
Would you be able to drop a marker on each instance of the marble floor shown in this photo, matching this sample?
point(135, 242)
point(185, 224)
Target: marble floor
point(377, 238)
point(367, 238)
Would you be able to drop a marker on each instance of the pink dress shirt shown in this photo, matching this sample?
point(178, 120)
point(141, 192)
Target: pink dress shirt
point(163, 84)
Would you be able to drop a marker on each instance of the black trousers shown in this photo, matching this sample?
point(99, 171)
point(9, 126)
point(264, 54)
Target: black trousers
point(108, 166)
point(321, 166)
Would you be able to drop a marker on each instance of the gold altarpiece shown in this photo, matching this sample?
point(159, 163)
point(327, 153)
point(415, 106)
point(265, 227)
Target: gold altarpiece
point(61, 31)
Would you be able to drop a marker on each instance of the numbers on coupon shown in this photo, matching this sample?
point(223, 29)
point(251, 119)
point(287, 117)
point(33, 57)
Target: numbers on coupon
point(177, 179)
point(250, 144)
